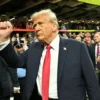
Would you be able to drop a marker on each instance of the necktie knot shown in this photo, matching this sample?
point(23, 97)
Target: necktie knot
point(48, 47)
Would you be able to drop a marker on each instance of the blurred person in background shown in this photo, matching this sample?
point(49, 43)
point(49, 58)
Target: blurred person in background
point(78, 38)
point(64, 35)
point(21, 72)
point(30, 39)
point(95, 54)
point(35, 39)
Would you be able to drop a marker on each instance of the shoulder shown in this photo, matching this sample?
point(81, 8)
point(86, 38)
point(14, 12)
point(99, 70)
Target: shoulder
point(36, 45)
point(2, 61)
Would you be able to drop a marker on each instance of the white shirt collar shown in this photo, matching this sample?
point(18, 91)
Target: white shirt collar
point(54, 44)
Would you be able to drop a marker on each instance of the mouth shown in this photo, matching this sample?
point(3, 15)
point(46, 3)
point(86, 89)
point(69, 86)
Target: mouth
point(37, 31)
point(37, 35)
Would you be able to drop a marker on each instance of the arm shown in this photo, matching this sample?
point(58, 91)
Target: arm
point(14, 78)
point(12, 58)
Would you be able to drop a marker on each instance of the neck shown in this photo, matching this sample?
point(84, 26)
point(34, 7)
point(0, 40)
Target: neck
point(50, 39)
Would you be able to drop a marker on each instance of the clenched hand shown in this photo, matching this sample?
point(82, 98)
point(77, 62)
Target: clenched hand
point(6, 29)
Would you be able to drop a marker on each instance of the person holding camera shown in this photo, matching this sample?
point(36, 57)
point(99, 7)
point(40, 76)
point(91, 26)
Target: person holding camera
point(22, 46)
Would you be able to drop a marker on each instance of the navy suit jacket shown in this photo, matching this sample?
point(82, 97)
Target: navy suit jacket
point(92, 53)
point(75, 69)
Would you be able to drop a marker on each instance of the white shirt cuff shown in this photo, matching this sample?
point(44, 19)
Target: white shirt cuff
point(4, 44)
point(11, 98)
point(16, 88)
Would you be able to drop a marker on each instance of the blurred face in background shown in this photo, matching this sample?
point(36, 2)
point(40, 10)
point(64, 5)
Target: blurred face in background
point(24, 41)
point(64, 35)
point(78, 38)
point(17, 35)
point(97, 37)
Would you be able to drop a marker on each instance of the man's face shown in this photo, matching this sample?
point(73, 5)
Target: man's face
point(17, 35)
point(97, 37)
point(78, 38)
point(44, 29)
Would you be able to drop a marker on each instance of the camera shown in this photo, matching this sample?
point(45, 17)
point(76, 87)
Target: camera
point(18, 44)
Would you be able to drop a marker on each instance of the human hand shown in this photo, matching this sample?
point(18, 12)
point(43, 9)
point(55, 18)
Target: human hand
point(16, 89)
point(6, 29)
point(98, 59)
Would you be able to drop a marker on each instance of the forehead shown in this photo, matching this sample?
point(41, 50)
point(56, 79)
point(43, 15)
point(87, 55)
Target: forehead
point(41, 18)
point(97, 34)
point(78, 37)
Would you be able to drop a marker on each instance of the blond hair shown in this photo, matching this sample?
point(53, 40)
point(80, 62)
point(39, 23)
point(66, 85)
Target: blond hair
point(51, 15)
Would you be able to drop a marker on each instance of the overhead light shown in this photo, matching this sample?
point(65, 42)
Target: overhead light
point(71, 21)
point(92, 21)
point(60, 20)
point(30, 20)
point(54, 1)
point(83, 21)
point(11, 19)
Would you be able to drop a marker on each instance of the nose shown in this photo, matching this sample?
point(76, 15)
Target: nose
point(37, 26)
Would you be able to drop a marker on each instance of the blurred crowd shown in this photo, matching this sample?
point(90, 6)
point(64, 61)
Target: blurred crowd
point(22, 42)
point(23, 22)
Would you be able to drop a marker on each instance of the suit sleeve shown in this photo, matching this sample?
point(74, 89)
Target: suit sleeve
point(12, 58)
point(14, 78)
point(89, 76)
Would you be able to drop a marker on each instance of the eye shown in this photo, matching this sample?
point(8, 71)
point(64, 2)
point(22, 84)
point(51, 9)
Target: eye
point(40, 23)
point(34, 25)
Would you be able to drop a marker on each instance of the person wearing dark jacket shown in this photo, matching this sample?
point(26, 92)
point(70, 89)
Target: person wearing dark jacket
point(8, 81)
point(94, 51)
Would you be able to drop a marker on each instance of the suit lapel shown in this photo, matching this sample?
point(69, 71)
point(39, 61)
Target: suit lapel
point(62, 57)
point(34, 60)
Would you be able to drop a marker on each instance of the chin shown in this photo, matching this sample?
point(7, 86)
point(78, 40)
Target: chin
point(40, 38)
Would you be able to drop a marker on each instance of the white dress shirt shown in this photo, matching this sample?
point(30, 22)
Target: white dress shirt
point(53, 69)
point(96, 51)
point(4, 44)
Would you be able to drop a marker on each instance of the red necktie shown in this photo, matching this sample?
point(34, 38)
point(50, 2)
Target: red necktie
point(46, 74)
point(97, 50)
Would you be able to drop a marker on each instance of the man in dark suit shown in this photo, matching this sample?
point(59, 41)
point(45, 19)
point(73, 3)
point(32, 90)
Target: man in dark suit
point(71, 70)
point(8, 80)
point(95, 54)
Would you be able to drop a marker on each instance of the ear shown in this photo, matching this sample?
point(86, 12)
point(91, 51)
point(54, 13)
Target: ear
point(54, 27)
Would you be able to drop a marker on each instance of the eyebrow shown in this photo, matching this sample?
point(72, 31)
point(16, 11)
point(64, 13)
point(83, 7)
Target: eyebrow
point(39, 23)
